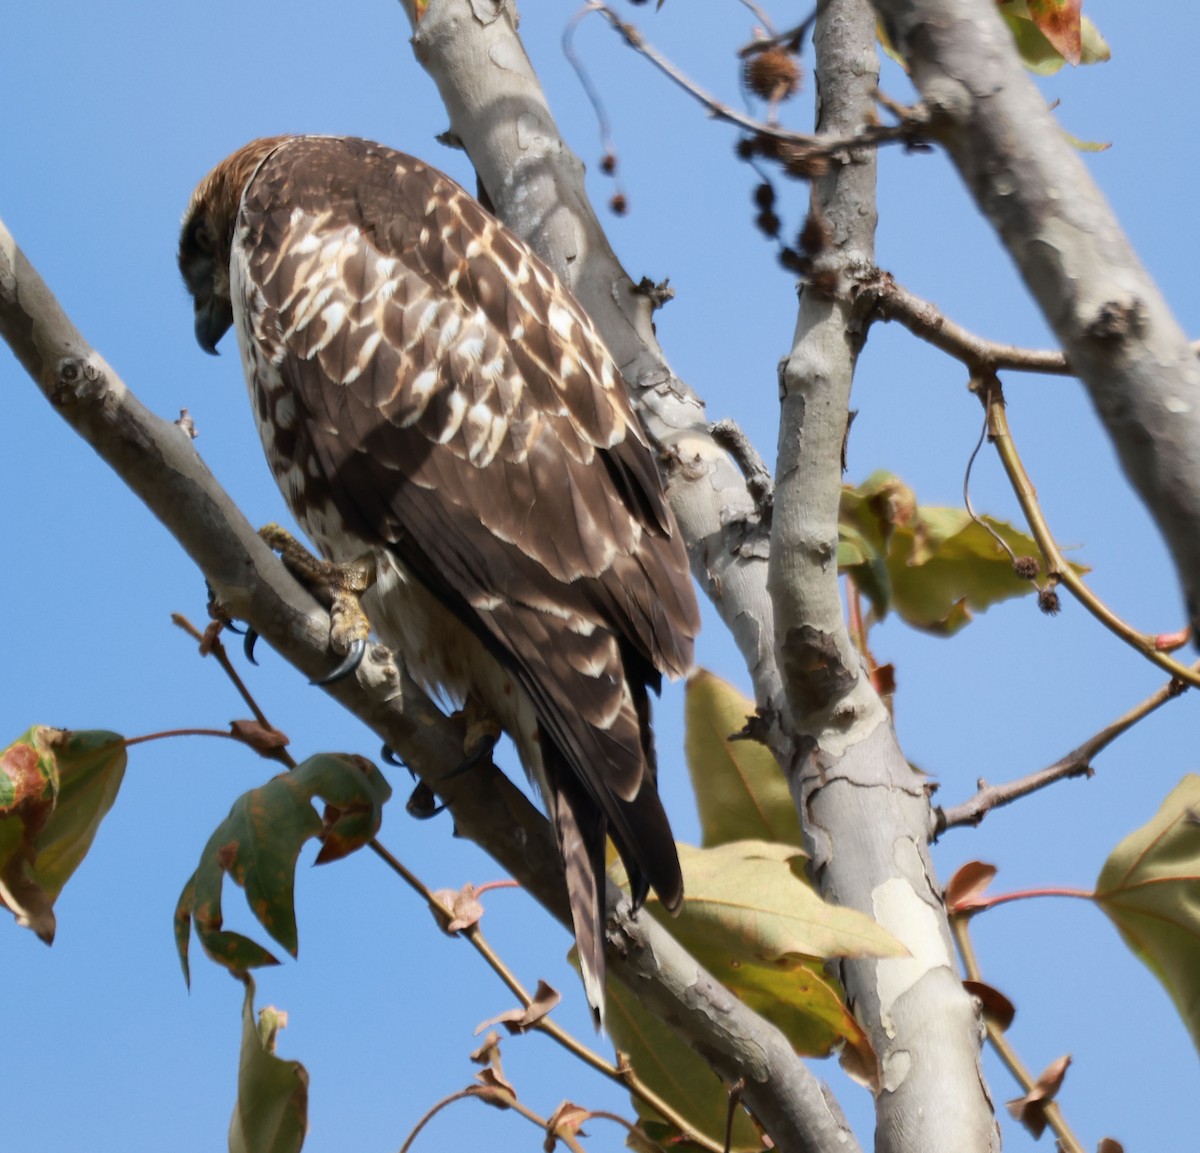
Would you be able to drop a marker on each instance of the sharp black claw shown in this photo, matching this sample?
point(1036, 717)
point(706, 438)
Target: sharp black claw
point(351, 661)
point(423, 804)
point(248, 645)
point(388, 756)
point(233, 628)
point(479, 754)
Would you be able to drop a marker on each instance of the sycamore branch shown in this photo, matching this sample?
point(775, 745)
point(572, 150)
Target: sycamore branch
point(865, 812)
point(158, 461)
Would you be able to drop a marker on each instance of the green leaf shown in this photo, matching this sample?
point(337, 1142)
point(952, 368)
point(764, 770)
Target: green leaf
point(1150, 887)
point(259, 843)
point(271, 1114)
point(935, 566)
point(740, 790)
point(56, 786)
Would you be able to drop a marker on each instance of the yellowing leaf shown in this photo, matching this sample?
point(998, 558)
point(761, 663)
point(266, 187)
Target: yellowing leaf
point(750, 901)
point(271, 1114)
point(935, 566)
point(56, 787)
point(1150, 887)
point(751, 918)
point(740, 790)
point(259, 843)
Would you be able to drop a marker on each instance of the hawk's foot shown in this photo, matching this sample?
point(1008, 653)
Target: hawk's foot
point(483, 732)
point(340, 586)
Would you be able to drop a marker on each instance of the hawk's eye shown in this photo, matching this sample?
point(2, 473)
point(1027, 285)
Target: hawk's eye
point(203, 239)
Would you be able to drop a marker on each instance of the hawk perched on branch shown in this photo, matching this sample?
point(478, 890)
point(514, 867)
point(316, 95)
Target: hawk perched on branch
point(429, 393)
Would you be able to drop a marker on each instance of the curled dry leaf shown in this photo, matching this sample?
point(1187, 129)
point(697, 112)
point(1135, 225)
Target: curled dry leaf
point(964, 889)
point(519, 1020)
point(465, 907)
point(1030, 1110)
point(998, 1010)
point(566, 1121)
point(492, 1076)
point(261, 738)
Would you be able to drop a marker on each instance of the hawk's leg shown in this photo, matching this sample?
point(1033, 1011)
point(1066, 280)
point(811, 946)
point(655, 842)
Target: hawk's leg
point(483, 732)
point(341, 586)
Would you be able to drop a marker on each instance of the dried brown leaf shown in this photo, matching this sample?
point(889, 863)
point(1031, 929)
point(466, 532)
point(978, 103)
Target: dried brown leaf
point(968, 884)
point(465, 908)
point(566, 1121)
point(998, 1010)
point(520, 1019)
point(1030, 1110)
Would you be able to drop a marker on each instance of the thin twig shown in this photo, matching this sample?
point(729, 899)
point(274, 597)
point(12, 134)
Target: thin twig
point(881, 297)
point(800, 145)
point(1056, 564)
point(1076, 763)
point(212, 644)
point(623, 1075)
point(1068, 1142)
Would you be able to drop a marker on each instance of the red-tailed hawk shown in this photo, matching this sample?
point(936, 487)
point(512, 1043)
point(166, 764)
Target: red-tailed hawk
point(430, 393)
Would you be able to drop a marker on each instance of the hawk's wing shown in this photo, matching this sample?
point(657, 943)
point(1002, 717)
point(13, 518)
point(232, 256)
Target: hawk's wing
point(465, 413)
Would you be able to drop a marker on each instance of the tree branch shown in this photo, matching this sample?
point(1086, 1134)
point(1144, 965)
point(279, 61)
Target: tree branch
point(1114, 326)
point(865, 812)
point(159, 463)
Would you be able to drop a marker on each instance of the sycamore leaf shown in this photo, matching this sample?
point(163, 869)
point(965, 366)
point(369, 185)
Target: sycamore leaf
point(271, 1113)
point(1150, 887)
point(752, 919)
point(740, 790)
point(935, 566)
point(56, 787)
point(259, 843)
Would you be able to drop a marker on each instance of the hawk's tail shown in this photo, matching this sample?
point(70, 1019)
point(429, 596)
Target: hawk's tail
point(579, 827)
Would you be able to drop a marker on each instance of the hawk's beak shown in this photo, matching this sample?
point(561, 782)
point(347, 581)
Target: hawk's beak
point(213, 319)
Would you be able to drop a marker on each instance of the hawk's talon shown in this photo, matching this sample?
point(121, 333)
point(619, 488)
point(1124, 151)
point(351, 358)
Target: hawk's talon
point(479, 752)
point(339, 585)
point(388, 755)
point(236, 629)
point(350, 662)
point(248, 644)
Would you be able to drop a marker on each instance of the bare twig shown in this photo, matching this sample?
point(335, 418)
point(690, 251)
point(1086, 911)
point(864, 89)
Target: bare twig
point(799, 148)
point(1056, 564)
point(1076, 763)
point(879, 296)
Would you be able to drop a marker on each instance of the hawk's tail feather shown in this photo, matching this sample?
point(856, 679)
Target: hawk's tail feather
point(579, 827)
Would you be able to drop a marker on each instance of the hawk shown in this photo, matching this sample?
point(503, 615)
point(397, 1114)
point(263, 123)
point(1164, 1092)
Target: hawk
point(429, 394)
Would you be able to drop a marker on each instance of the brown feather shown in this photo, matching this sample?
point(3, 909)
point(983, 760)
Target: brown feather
point(426, 386)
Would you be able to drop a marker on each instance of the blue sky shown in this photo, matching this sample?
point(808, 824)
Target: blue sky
point(112, 114)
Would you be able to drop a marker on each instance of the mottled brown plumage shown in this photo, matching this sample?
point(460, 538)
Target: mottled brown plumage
point(427, 390)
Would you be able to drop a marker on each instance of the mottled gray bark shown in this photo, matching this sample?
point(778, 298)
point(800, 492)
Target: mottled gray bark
point(864, 811)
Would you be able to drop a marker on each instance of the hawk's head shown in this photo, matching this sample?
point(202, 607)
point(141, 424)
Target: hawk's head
point(207, 236)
